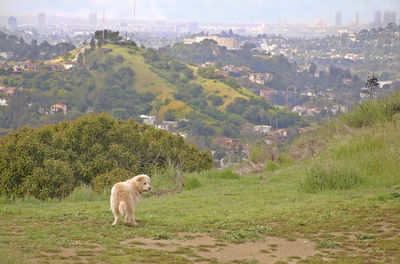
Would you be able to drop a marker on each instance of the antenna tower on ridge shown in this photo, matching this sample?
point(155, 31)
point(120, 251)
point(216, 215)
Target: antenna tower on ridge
point(104, 20)
point(134, 15)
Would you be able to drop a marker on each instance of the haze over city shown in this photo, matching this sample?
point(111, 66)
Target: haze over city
point(233, 11)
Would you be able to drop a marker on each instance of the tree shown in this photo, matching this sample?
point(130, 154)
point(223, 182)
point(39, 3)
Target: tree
point(109, 36)
point(312, 69)
point(80, 60)
point(157, 107)
point(92, 44)
point(371, 85)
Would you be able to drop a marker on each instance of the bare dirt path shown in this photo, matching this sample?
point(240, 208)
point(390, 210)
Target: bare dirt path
point(271, 250)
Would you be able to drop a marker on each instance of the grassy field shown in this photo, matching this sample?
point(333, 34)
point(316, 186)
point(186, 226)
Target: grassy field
point(339, 203)
point(344, 226)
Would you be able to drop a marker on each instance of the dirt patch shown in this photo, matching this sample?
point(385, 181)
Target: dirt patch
point(269, 251)
point(386, 227)
point(163, 192)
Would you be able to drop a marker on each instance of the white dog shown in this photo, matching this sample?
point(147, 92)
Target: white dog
point(125, 196)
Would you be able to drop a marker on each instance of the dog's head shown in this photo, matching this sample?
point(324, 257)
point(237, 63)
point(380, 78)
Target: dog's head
point(142, 183)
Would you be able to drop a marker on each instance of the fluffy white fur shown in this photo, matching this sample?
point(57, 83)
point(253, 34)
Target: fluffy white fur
point(125, 196)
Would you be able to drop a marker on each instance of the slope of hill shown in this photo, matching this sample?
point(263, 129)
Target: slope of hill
point(128, 81)
point(357, 149)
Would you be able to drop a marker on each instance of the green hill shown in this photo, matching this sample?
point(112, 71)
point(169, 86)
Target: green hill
point(127, 81)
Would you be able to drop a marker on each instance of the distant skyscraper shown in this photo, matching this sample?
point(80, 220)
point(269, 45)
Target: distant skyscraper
point(338, 19)
point(378, 19)
point(192, 26)
point(389, 17)
point(93, 19)
point(42, 20)
point(12, 22)
point(356, 19)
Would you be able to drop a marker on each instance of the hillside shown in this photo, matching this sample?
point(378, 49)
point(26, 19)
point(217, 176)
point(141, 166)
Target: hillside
point(127, 81)
point(359, 148)
point(148, 79)
point(338, 203)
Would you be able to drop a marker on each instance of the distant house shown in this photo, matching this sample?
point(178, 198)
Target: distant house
point(20, 67)
point(167, 125)
point(229, 43)
point(9, 91)
point(207, 64)
point(347, 80)
point(148, 120)
point(69, 66)
point(235, 71)
point(262, 129)
point(3, 102)
point(265, 93)
point(260, 78)
point(57, 108)
point(53, 66)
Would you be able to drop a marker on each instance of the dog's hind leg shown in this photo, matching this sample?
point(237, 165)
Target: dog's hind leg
point(124, 209)
point(116, 211)
point(129, 218)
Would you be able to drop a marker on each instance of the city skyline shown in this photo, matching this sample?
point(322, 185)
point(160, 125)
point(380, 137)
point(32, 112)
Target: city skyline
point(251, 11)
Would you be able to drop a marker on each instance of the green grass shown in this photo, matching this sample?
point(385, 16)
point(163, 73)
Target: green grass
point(368, 158)
point(346, 200)
point(365, 115)
point(229, 207)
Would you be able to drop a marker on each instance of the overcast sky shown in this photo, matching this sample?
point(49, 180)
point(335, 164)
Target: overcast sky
point(240, 11)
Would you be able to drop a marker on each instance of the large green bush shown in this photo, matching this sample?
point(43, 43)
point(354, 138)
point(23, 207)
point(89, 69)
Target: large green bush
point(50, 161)
point(107, 180)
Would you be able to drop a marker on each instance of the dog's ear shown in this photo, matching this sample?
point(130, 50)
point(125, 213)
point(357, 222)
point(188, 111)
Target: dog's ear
point(140, 179)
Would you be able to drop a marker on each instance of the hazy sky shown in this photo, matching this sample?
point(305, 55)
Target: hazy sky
point(206, 10)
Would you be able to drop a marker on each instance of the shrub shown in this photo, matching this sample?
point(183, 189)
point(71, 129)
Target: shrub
point(330, 176)
point(105, 181)
point(168, 179)
point(215, 99)
point(191, 182)
point(54, 180)
point(51, 161)
point(83, 193)
point(271, 166)
point(259, 153)
point(221, 174)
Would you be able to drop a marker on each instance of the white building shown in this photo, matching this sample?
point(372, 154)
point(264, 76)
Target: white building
point(3, 102)
point(229, 43)
point(148, 120)
point(167, 125)
point(262, 129)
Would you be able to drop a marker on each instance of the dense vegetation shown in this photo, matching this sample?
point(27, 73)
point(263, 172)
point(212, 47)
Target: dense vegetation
point(52, 160)
point(285, 74)
point(79, 89)
point(358, 148)
point(127, 81)
point(341, 206)
point(33, 51)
